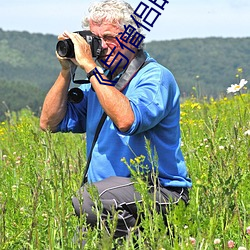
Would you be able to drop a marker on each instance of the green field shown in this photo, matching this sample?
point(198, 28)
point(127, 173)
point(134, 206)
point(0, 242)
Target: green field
point(40, 172)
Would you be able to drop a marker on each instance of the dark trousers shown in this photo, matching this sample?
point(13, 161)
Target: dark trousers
point(119, 194)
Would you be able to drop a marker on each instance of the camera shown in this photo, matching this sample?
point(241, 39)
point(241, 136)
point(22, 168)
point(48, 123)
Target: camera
point(65, 48)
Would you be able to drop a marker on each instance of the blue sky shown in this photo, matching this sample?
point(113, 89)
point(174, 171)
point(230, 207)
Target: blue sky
point(180, 19)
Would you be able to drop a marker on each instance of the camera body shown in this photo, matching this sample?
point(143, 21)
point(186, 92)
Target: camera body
point(65, 48)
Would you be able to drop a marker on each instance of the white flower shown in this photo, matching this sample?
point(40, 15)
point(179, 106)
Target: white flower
point(192, 240)
point(248, 230)
point(217, 241)
point(242, 248)
point(247, 133)
point(237, 87)
point(221, 147)
point(22, 210)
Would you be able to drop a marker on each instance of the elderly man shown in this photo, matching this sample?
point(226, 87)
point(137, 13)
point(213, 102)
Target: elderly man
point(140, 98)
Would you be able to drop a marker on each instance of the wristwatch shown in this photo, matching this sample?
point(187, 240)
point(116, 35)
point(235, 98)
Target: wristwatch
point(93, 71)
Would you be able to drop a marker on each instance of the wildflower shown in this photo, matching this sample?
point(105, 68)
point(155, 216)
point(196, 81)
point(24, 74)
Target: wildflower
point(237, 87)
point(198, 182)
point(248, 230)
point(242, 248)
point(247, 133)
point(22, 210)
point(221, 147)
point(230, 244)
point(195, 106)
point(216, 241)
point(240, 70)
point(45, 216)
point(132, 162)
point(192, 240)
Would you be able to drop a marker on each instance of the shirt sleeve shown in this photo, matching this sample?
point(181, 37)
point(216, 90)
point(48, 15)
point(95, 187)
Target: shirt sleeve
point(154, 96)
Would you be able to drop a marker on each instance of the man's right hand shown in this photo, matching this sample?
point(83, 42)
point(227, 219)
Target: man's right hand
point(65, 62)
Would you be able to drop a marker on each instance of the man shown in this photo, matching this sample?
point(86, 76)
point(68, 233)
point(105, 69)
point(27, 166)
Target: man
point(144, 105)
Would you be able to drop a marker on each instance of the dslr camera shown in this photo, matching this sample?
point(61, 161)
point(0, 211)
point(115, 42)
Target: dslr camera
point(65, 48)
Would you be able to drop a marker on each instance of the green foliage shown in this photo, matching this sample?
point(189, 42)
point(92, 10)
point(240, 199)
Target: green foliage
point(40, 172)
point(28, 68)
point(28, 58)
point(14, 95)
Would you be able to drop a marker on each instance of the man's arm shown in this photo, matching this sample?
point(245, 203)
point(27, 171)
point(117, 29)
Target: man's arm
point(55, 103)
point(54, 107)
point(115, 104)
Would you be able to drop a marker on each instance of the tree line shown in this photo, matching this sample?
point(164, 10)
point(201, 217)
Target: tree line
point(202, 67)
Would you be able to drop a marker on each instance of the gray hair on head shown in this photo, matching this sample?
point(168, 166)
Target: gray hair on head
point(114, 11)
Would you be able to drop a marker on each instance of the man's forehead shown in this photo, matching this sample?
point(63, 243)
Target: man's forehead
point(105, 27)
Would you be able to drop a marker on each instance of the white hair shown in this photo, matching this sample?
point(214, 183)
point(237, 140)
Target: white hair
point(117, 12)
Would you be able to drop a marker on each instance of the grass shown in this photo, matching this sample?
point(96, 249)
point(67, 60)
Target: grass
point(40, 172)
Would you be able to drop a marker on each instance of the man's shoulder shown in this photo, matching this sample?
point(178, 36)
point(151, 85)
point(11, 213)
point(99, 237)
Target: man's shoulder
point(154, 64)
point(154, 69)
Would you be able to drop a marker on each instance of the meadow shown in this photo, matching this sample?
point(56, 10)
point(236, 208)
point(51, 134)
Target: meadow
point(40, 172)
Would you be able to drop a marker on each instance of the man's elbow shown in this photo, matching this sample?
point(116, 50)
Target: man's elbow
point(125, 125)
point(45, 126)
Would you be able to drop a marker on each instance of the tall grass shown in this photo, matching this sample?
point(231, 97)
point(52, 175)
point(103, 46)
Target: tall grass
point(40, 172)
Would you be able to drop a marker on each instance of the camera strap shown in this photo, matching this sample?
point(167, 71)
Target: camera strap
point(136, 64)
point(126, 77)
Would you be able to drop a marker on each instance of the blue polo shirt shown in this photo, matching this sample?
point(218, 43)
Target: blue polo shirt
point(154, 97)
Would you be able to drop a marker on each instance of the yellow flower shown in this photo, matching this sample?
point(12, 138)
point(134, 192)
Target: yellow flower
point(132, 162)
point(195, 105)
point(240, 70)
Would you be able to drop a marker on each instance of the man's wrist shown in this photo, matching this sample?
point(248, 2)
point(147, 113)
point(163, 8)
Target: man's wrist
point(94, 71)
point(65, 73)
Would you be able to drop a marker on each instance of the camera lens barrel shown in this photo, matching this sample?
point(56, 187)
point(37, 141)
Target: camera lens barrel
point(65, 48)
point(75, 95)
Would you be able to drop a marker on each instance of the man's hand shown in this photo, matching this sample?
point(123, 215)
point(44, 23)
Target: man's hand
point(66, 63)
point(83, 54)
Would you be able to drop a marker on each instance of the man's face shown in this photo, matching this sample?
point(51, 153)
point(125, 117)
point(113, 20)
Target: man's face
point(108, 33)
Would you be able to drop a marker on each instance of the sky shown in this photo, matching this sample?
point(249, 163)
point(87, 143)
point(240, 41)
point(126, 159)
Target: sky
point(179, 19)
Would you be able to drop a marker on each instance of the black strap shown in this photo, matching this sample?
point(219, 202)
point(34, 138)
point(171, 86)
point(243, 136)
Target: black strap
point(97, 132)
point(124, 80)
point(136, 64)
